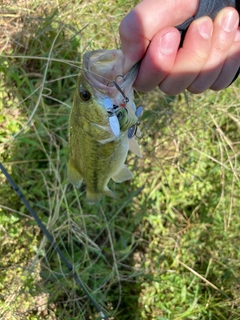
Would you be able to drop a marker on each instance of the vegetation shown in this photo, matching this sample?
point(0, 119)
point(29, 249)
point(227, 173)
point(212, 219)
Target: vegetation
point(169, 248)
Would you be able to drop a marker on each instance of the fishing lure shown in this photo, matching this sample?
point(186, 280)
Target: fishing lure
point(113, 119)
point(132, 131)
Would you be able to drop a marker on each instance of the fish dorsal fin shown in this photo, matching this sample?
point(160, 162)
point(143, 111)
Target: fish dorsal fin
point(134, 147)
point(123, 175)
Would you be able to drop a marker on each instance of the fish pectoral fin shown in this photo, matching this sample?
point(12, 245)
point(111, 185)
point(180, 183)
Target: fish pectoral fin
point(110, 193)
point(74, 176)
point(104, 141)
point(103, 127)
point(134, 147)
point(94, 198)
point(123, 175)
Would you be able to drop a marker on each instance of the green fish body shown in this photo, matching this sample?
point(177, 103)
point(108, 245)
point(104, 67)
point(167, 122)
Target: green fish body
point(96, 154)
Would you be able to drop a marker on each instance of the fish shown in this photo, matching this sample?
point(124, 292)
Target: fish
point(103, 111)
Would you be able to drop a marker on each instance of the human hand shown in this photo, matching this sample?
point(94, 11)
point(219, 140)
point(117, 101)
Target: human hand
point(209, 57)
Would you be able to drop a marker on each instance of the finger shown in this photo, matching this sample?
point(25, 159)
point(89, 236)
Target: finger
point(190, 58)
point(139, 26)
point(158, 60)
point(224, 30)
point(231, 65)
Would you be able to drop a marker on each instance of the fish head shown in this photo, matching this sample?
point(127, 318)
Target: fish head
point(104, 96)
point(85, 103)
point(104, 67)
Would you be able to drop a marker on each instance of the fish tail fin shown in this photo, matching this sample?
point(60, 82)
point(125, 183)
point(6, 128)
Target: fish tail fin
point(74, 176)
point(94, 198)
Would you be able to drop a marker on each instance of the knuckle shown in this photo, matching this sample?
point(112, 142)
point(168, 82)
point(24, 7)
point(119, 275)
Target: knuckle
point(199, 57)
point(220, 47)
point(128, 27)
point(222, 43)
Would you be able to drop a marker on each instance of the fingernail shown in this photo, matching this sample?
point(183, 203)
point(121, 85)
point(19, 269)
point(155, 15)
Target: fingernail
point(205, 27)
point(169, 43)
point(237, 36)
point(229, 21)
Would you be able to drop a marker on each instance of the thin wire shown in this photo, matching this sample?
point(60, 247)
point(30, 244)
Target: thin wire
point(114, 82)
point(53, 243)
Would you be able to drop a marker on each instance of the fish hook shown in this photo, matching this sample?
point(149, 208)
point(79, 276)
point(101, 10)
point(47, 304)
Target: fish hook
point(114, 82)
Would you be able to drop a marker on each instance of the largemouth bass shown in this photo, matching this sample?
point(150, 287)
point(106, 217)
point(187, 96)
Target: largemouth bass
point(101, 123)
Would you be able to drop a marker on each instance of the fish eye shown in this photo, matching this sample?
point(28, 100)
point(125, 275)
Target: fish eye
point(119, 115)
point(85, 95)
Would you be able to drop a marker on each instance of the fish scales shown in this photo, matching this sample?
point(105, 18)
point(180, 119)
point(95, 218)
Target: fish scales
point(96, 155)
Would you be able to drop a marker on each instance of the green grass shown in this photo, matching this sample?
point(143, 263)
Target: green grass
point(169, 248)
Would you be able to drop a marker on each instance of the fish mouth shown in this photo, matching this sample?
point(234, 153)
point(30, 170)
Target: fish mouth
point(103, 69)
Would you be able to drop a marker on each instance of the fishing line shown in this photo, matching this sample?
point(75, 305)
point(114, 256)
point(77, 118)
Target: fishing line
point(53, 243)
